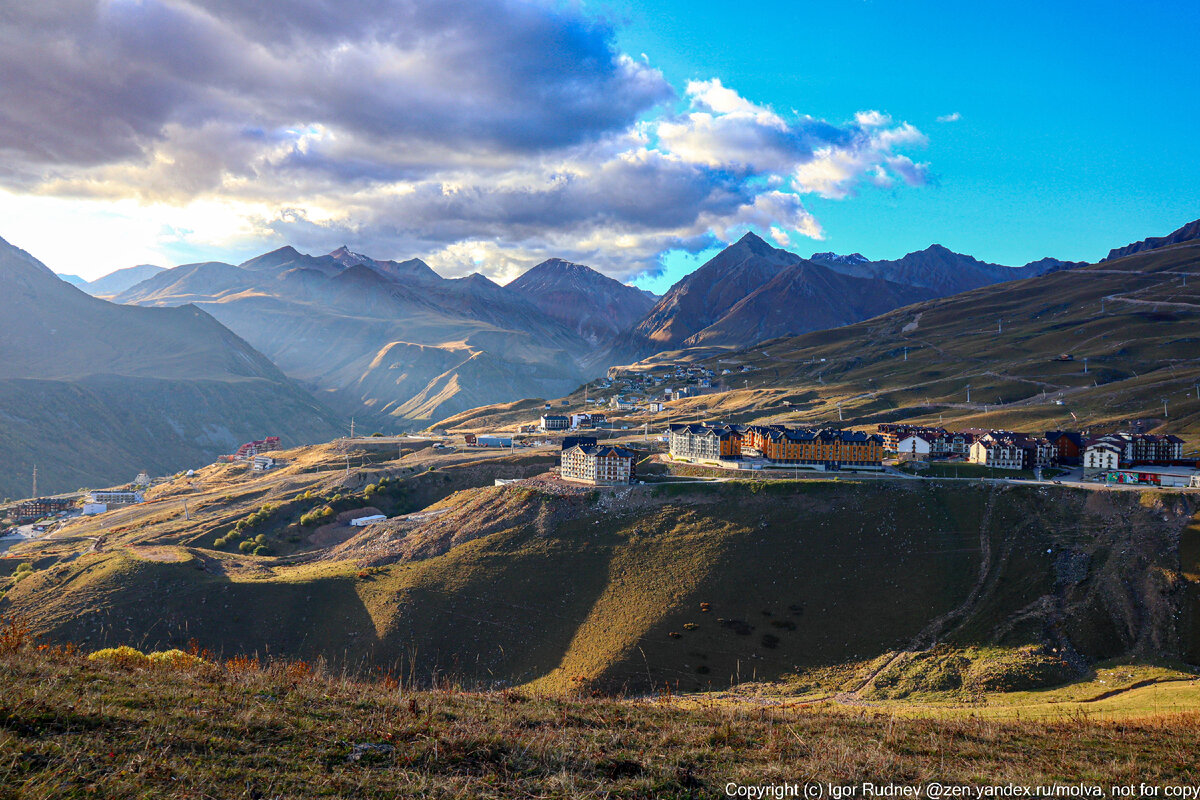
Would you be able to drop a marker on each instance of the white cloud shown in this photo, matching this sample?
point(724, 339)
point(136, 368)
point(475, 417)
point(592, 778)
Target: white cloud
point(481, 134)
point(872, 119)
point(954, 117)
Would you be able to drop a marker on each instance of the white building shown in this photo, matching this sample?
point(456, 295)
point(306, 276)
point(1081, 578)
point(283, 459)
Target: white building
point(914, 446)
point(1100, 457)
point(362, 522)
point(603, 465)
point(554, 422)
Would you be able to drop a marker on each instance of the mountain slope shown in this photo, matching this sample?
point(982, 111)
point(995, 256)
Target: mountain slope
point(134, 388)
point(383, 339)
point(703, 297)
point(595, 306)
point(800, 298)
point(1187, 233)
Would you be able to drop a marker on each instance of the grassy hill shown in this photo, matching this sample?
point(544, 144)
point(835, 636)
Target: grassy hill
point(692, 586)
point(1135, 320)
point(74, 727)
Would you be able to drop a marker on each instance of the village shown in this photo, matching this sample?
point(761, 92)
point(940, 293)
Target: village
point(594, 449)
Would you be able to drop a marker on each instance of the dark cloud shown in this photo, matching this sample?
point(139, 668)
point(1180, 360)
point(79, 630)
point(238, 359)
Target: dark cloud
point(89, 83)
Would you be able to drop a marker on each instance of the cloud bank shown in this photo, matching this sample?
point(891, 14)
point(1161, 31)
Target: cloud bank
point(480, 134)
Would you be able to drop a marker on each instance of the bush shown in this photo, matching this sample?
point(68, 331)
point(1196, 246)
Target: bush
point(246, 546)
point(175, 659)
point(122, 656)
point(24, 570)
point(262, 550)
point(317, 515)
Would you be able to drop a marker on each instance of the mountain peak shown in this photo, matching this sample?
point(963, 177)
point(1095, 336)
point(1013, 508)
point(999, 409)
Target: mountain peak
point(755, 243)
point(344, 255)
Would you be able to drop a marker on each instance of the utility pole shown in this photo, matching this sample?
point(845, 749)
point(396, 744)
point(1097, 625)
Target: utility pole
point(1085, 365)
point(1000, 325)
point(352, 427)
point(906, 354)
point(968, 394)
point(35, 481)
point(1165, 407)
point(839, 412)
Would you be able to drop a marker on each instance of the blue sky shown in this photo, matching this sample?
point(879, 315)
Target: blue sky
point(488, 135)
point(1078, 121)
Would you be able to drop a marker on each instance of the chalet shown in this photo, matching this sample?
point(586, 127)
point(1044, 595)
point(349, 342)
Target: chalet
point(706, 441)
point(250, 449)
point(40, 507)
point(823, 449)
point(554, 422)
point(601, 465)
point(949, 445)
point(1100, 458)
point(1069, 445)
point(1139, 449)
point(116, 497)
point(915, 445)
point(893, 432)
point(1009, 450)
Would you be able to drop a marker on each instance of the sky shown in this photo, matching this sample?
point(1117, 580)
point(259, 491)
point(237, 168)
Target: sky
point(636, 137)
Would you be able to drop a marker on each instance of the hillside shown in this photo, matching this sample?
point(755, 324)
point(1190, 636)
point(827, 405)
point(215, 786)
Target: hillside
point(595, 306)
point(114, 726)
point(133, 388)
point(390, 342)
point(699, 586)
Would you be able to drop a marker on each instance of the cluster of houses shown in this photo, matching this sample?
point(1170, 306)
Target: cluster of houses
point(1113, 457)
point(756, 445)
point(249, 450)
point(585, 461)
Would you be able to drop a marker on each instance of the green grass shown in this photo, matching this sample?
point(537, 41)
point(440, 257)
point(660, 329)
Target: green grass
point(939, 470)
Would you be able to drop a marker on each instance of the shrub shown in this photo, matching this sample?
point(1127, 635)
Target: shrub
point(123, 656)
point(24, 570)
point(246, 546)
point(175, 659)
point(262, 550)
point(15, 633)
point(690, 626)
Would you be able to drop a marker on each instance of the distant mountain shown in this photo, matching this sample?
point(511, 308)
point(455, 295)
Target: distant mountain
point(74, 280)
point(595, 306)
point(938, 269)
point(116, 282)
point(830, 259)
point(132, 388)
point(1185, 234)
point(384, 338)
point(804, 297)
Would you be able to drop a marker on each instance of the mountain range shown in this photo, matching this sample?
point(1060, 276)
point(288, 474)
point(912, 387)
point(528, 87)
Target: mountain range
point(114, 282)
point(752, 291)
point(92, 391)
point(388, 340)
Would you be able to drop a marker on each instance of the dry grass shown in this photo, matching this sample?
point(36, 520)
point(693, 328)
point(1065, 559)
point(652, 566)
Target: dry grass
point(74, 727)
